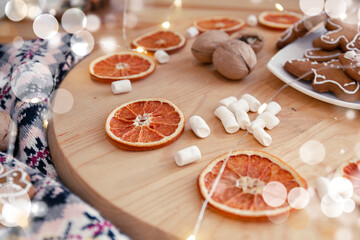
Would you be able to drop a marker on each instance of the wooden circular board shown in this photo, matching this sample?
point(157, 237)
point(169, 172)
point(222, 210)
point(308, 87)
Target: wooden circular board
point(144, 193)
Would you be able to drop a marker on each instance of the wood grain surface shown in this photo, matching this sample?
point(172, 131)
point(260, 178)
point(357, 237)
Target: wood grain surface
point(144, 193)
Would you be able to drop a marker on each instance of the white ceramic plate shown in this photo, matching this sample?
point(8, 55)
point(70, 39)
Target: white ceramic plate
point(296, 51)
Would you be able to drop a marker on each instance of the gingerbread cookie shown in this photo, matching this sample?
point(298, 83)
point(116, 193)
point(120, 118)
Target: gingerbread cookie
point(16, 180)
point(319, 55)
point(302, 68)
point(351, 62)
point(300, 28)
point(326, 77)
point(255, 41)
point(339, 36)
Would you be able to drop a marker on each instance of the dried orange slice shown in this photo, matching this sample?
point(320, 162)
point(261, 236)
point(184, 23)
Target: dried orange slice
point(226, 24)
point(239, 191)
point(168, 41)
point(123, 65)
point(280, 20)
point(351, 171)
point(145, 124)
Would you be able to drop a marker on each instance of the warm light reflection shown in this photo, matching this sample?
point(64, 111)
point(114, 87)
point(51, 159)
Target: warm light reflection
point(178, 3)
point(191, 237)
point(165, 25)
point(262, 108)
point(140, 49)
point(279, 7)
point(45, 123)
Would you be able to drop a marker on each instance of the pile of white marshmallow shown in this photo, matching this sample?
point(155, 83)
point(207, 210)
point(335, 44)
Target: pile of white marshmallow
point(233, 114)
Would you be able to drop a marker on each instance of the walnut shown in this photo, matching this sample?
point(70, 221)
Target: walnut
point(255, 40)
point(205, 45)
point(5, 128)
point(234, 59)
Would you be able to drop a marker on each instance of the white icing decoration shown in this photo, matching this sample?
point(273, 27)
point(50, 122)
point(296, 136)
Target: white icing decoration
point(332, 41)
point(351, 44)
point(352, 56)
point(318, 57)
point(348, 84)
point(334, 82)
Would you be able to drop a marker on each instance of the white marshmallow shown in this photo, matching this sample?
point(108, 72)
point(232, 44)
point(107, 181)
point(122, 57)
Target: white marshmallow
point(273, 107)
point(187, 155)
point(270, 120)
point(227, 119)
point(192, 32)
point(257, 123)
point(242, 119)
point(322, 185)
point(251, 20)
point(227, 101)
point(162, 56)
point(121, 86)
point(254, 104)
point(199, 126)
point(263, 137)
point(240, 105)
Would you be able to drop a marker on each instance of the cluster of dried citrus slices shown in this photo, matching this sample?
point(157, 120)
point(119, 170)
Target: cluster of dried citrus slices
point(239, 191)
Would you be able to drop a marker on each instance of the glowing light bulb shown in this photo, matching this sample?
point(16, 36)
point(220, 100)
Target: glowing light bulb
point(165, 25)
point(178, 3)
point(140, 49)
point(191, 237)
point(279, 7)
point(45, 123)
point(262, 108)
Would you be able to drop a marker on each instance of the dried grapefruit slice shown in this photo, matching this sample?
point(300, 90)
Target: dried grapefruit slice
point(123, 65)
point(351, 171)
point(226, 24)
point(168, 41)
point(145, 124)
point(280, 20)
point(239, 191)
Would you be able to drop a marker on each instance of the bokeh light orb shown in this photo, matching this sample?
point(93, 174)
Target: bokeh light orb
point(64, 101)
point(18, 42)
point(16, 10)
point(335, 8)
point(311, 7)
point(312, 152)
point(82, 43)
point(298, 198)
point(73, 20)
point(93, 22)
point(340, 188)
point(110, 21)
point(274, 194)
point(349, 205)
point(32, 82)
point(330, 207)
point(108, 44)
point(45, 26)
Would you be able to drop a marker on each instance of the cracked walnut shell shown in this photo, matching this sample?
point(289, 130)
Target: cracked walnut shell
point(234, 59)
point(205, 45)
